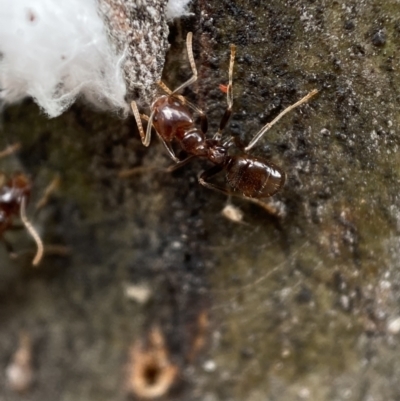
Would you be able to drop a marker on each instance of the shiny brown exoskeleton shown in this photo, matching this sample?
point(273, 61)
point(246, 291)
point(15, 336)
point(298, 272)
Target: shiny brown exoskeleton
point(13, 191)
point(247, 176)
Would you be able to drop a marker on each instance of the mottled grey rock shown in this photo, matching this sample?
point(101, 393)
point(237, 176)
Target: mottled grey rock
point(139, 31)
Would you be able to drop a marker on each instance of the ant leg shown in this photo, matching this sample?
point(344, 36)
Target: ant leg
point(179, 164)
point(229, 96)
point(52, 187)
point(9, 150)
point(145, 137)
point(28, 225)
point(143, 169)
point(203, 117)
point(169, 148)
point(193, 79)
point(207, 174)
point(136, 170)
point(276, 119)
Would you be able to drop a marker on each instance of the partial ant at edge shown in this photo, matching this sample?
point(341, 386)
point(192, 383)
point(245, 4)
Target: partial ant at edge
point(15, 190)
point(15, 193)
point(171, 116)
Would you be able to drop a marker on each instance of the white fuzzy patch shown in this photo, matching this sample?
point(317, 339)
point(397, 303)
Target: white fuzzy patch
point(177, 8)
point(56, 50)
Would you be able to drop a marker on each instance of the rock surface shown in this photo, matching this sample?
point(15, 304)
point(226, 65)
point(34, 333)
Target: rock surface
point(301, 306)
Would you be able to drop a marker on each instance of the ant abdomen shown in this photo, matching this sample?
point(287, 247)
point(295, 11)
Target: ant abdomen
point(254, 177)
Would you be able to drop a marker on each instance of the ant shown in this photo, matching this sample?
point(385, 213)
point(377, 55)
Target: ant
point(248, 176)
point(15, 191)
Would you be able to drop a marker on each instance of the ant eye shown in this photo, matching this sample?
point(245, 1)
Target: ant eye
point(155, 118)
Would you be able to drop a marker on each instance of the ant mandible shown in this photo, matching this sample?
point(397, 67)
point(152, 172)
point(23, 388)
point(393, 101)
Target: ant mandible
point(247, 176)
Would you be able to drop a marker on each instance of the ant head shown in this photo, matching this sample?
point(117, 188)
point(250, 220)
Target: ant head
point(13, 188)
point(216, 152)
point(20, 182)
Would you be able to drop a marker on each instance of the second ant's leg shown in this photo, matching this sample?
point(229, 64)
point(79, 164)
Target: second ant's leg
point(145, 137)
point(169, 148)
point(263, 130)
point(207, 174)
point(52, 187)
point(179, 164)
point(229, 96)
point(28, 225)
point(144, 169)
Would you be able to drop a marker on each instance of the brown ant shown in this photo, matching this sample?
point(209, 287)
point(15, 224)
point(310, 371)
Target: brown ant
point(15, 191)
point(248, 176)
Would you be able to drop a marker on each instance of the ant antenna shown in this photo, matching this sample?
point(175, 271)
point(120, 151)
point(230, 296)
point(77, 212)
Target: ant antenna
point(229, 95)
point(229, 91)
point(169, 92)
point(33, 233)
point(164, 87)
point(146, 141)
point(193, 79)
point(263, 130)
point(145, 137)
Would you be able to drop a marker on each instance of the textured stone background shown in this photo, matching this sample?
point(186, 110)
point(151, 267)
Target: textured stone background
point(139, 30)
point(302, 307)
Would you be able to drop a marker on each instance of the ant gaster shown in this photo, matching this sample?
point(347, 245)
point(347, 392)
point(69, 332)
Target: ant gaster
point(15, 191)
point(247, 176)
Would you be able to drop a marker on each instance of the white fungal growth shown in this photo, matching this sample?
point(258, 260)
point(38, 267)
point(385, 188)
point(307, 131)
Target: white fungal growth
point(55, 51)
point(177, 8)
